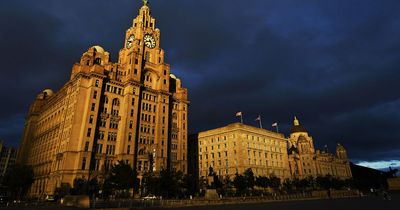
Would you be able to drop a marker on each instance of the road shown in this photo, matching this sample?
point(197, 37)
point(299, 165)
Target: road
point(365, 203)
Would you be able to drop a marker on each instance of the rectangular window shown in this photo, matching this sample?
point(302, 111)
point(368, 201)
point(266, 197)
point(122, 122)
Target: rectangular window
point(97, 83)
point(99, 148)
point(83, 164)
point(93, 107)
point(91, 119)
point(94, 94)
point(89, 132)
point(86, 146)
point(131, 112)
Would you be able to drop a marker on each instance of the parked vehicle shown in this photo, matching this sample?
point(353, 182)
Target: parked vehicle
point(50, 198)
point(150, 197)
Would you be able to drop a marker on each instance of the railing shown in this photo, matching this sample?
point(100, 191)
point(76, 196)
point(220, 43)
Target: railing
point(137, 203)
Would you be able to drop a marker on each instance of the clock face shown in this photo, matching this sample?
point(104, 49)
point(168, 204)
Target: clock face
point(149, 41)
point(129, 42)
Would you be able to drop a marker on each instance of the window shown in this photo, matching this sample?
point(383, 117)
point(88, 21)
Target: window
point(101, 134)
point(130, 124)
point(83, 164)
point(89, 132)
point(91, 119)
point(129, 136)
point(93, 107)
point(103, 123)
point(165, 81)
point(97, 83)
point(99, 148)
point(94, 94)
point(86, 146)
point(131, 112)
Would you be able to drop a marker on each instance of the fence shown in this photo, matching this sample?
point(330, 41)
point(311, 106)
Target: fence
point(136, 203)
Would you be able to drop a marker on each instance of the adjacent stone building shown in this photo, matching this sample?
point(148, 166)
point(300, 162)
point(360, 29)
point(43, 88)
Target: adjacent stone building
point(236, 147)
point(133, 110)
point(305, 160)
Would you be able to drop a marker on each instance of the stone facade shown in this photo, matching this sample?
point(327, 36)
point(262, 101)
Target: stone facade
point(133, 110)
point(236, 147)
point(305, 161)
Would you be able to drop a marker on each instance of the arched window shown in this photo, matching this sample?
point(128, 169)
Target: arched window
point(115, 102)
point(141, 152)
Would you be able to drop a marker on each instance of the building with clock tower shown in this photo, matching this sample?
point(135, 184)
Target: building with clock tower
point(133, 110)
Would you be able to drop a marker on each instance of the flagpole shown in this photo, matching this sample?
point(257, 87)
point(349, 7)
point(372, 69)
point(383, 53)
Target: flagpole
point(241, 118)
point(277, 128)
point(260, 123)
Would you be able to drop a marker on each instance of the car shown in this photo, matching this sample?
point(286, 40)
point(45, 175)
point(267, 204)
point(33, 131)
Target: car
point(150, 197)
point(50, 198)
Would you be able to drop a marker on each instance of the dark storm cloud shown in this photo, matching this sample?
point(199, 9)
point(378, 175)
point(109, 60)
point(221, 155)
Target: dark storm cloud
point(335, 64)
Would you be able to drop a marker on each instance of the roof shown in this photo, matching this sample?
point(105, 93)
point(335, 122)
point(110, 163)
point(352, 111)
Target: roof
point(297, 128)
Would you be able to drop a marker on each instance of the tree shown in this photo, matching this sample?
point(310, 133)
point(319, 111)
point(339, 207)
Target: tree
point(288, 185)
point(80, 187)
point(240, 184)
point(121, 178)
point(324, 182)
point(18, 179)
point(262, 181)
point(172, 183)
point(149, 184)
point(275, 182)
point(249, 177)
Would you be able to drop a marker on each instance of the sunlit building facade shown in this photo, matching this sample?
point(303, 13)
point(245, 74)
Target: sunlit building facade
point(133, 110)
point(236, 147)
point(305, 160)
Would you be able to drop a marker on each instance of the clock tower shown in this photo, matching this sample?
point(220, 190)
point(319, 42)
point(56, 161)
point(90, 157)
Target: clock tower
point(132, 110)
point(161, 125)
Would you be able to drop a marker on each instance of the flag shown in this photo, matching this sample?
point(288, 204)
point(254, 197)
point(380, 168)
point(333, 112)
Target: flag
point(258, 118)
point(238, 114)
point(275, 125)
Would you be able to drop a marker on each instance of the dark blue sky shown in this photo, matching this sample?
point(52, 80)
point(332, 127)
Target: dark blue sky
point(335, 64)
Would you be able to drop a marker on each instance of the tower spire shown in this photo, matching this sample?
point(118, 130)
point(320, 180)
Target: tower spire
point(145, 2)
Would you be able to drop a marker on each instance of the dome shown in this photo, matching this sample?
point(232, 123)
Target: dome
point(98, 49)
point(172, 76)
point(302, 139)
point(339, 147)
point(297, 127)
point(48, 92)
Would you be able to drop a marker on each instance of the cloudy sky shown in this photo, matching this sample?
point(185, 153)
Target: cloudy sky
point(335, 64)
